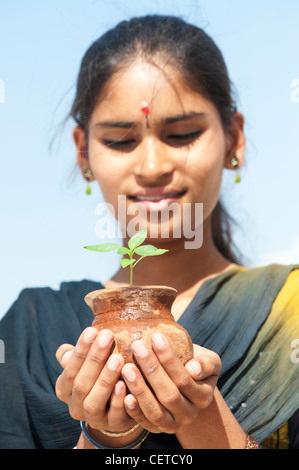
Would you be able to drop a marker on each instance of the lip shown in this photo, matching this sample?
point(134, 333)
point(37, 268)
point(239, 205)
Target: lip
point(159, 192)
point(157, 199)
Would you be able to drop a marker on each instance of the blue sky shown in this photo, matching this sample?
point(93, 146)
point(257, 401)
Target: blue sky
point(45, 216)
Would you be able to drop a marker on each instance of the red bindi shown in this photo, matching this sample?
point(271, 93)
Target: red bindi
point(145, 108)
point(146, 111)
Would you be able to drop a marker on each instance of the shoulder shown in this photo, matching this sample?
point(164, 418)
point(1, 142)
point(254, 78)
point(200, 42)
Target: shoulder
point(283, 278)
point(278, 287)
point(254, 285)
point(68, 289)
point(290, 289)
point(45, 306)
point(270, 271)
point(286, 304)
point(274, 276)
point(268, 293)
point(70, 293)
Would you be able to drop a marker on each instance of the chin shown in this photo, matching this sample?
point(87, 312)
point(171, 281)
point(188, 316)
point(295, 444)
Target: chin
point(165, 231)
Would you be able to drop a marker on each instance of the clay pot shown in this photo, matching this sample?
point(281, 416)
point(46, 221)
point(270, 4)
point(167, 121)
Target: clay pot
point(136, 313)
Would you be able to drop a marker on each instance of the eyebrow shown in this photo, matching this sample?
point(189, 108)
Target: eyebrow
point(133, 125)
point(182, 117)
point(120, 124)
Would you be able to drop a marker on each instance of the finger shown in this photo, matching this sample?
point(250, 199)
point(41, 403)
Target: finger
point(64, 353)
point(117, 414)
point(175, 368)
point(205, 364)
point(133, 409)
point(65, 381)
point(152, 409)
point(162, 380)
point(93, 364)
point(199, 393)
point(96, 402)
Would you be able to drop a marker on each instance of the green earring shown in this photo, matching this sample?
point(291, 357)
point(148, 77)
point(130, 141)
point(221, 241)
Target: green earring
point(235, 164)
point(87, 176)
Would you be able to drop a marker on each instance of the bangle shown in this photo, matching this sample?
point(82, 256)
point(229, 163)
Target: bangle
point(251, 443)
point(119, 434)
point(134, 444)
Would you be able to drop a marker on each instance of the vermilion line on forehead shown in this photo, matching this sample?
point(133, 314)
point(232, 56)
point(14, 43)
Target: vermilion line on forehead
point(165, 121)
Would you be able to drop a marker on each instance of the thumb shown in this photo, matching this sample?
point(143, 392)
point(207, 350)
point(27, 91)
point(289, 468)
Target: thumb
point(64, 353)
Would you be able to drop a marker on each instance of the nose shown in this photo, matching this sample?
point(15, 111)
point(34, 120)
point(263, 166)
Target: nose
point(155, 166)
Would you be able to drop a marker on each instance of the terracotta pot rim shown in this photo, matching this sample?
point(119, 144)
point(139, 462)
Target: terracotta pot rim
point(154, 286)
point(126, 289)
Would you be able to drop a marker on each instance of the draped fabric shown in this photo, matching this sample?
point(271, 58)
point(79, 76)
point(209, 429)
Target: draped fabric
point(40, 321)
point(250, 317)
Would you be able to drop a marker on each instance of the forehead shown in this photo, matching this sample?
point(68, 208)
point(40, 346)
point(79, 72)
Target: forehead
point(158, 84)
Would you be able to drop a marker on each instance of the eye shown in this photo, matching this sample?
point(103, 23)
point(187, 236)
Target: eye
point(177, 140)
point(122, 145)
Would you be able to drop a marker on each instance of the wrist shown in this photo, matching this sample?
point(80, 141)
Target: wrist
point(93, 438)
point(214, 428)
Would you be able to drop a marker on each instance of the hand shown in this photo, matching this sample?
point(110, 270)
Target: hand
point(90, 381)
point(178, 392)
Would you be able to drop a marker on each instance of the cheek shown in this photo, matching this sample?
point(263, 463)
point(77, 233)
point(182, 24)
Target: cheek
point(108, 181)
point(105, 169)
point(205, 172)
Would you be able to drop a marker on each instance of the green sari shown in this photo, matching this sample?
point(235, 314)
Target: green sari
point(251, 319)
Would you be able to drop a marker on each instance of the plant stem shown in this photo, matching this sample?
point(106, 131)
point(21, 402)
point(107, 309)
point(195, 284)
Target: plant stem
point(131, 268)
point(131, 275)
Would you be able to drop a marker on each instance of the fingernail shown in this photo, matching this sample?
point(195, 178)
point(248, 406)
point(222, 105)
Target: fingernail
point(158, 341)
point(129, 374)
point(139, 349)
point(196, 367)
point(90, 335)
point(119, 388)
point(130, 402)
point(66, 356)
point(105, 338)
point(113, 363)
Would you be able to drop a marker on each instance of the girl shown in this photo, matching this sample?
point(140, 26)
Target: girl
point(156, 123)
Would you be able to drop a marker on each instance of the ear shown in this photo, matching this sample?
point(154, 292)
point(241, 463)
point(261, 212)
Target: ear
point(236, 141)
point(80, 140)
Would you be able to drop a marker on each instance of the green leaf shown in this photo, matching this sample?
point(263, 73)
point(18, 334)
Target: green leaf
point(137, 239)
point(146, 250)
point(104, 247)
point(159, 252)
point(123, 250)
point(126, 262)
point(149, 250)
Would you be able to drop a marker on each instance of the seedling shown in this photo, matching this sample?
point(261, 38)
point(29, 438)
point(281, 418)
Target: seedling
point(134, 247)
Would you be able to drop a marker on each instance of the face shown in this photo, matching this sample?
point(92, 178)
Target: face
point(157, 143)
